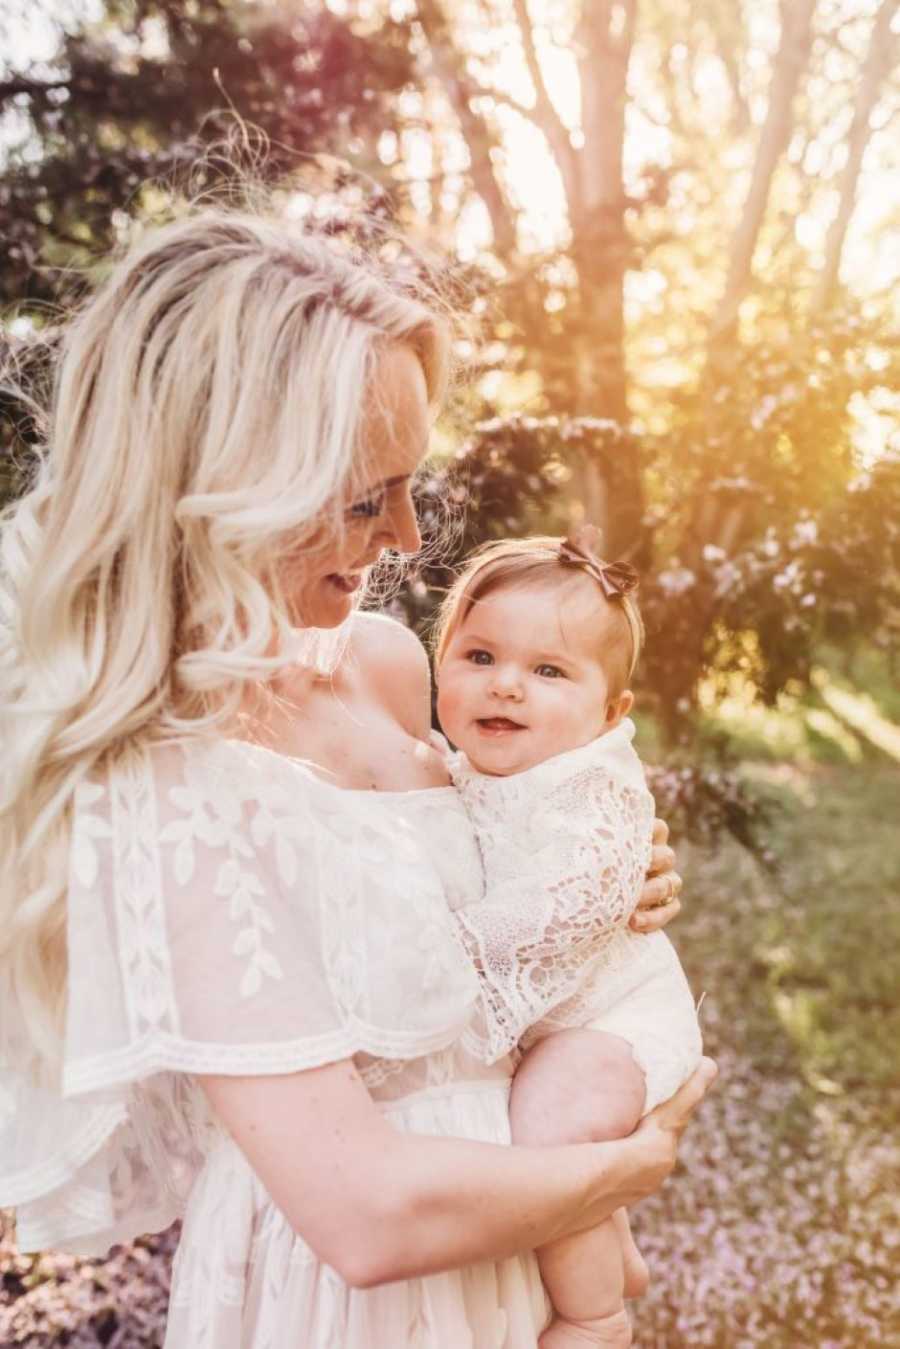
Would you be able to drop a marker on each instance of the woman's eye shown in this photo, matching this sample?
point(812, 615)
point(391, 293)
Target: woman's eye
point(480, 657)
point(550, 672)
point(367, 509)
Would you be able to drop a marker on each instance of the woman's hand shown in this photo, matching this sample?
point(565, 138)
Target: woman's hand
point(658, 1133)
point(659, 902)
point(663, 1127)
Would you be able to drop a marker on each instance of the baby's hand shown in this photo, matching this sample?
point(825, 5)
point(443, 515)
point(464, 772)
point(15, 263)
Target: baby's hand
point(659, 902)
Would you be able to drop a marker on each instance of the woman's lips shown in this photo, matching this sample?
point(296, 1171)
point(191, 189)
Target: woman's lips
point(498, 725)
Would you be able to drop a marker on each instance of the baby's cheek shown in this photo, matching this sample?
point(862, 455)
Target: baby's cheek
point(450, 704)
point(570, 724)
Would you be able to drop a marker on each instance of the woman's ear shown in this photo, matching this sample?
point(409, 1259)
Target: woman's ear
point(618, 708)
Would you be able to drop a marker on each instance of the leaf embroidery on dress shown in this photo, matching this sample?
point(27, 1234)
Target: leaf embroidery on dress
point(240, 886)
point(212, 815)
point(86, 828)
point(138, 899)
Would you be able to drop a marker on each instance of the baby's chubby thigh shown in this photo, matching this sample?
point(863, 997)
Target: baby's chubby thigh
point(576, 1086)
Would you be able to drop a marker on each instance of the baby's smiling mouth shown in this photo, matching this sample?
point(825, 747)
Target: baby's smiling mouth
point(498, 725)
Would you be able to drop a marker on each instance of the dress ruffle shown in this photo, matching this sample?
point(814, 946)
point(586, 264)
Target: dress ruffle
point(228, 913)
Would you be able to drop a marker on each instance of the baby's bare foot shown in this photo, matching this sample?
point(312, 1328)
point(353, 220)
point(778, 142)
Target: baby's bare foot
point(603, 1332)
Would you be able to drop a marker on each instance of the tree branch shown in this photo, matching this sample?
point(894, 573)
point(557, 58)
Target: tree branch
point(879, 59)
point(790, 61)
point(603, 69)
point(450, 67)
point(21, 84)
point(545, 114)
point(741, 114)
point(505, 100)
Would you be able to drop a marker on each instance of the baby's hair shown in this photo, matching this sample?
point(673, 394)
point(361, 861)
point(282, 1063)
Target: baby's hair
point(516, 563)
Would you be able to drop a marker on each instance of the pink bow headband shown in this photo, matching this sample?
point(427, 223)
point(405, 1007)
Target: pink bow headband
point(616, 579)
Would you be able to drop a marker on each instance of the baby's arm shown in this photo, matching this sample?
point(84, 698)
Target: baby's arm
point(533, 936)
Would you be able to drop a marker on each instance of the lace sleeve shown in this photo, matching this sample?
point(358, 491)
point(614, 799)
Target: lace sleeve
point(228, 913)
point(563, 880)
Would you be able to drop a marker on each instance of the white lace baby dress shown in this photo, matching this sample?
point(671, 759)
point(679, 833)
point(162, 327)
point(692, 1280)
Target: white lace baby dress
point(230, 912)
point(565, 847)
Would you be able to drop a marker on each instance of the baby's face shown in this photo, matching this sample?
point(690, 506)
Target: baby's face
point(523, 679)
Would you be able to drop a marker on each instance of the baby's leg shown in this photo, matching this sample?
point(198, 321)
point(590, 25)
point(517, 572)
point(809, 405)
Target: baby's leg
point(580, 1086)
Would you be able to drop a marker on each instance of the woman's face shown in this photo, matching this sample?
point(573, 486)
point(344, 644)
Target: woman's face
point(322, 581)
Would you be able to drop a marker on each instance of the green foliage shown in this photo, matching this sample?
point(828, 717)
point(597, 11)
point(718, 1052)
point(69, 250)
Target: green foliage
point(760, 519)
point(139, 96)
point(823, 950)
point(784, 1214)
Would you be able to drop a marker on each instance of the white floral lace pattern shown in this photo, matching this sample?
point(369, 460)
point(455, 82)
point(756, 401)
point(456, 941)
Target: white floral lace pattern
point(565, 847)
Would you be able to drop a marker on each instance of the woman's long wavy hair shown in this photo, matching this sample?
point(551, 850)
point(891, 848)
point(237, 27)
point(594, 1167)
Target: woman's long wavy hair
point(205, 416)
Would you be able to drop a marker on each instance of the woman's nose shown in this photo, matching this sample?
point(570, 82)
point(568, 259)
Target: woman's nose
point(404, 527)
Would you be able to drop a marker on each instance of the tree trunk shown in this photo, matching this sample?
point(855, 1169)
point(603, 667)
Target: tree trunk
point(879, 59)
point(600, 241)
point(450, 65)
point(790, 61)
point(611, 493)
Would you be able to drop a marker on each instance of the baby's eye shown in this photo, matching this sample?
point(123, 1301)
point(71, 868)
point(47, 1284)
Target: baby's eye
point(550, 672)
point(368, 508)
point(478, 656)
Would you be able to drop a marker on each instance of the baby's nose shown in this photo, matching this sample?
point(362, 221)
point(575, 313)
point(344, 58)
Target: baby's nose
point(506, 682)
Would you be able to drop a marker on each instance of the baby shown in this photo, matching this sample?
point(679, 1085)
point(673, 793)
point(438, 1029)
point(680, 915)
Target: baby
point(537, 643)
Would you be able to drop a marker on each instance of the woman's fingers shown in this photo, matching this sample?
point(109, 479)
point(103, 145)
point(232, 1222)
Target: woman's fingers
point(659, 902)
point(657, 1136)
point(662, 859)
point(655, 916)
point(661, 889)
point(675, 1113)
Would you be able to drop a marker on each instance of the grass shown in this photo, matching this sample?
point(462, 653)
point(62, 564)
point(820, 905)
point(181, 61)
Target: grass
point(783, 1229)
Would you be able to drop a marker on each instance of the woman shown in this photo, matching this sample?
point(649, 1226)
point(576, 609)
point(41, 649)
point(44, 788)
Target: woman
point(230, 984)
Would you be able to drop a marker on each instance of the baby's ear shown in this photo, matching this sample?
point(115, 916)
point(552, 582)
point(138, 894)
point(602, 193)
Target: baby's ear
point(618, 708)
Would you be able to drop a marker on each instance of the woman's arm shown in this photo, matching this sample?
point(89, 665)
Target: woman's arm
point(379, 1205)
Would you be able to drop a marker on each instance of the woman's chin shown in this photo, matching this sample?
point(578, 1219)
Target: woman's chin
point(328, 607)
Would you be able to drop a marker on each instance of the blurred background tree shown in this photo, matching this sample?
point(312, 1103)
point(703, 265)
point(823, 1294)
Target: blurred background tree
point(669, 219)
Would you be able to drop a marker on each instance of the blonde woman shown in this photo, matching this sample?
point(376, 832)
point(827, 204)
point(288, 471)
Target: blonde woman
point(229, 986)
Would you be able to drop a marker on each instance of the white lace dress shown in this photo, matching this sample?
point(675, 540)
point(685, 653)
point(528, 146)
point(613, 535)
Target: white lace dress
point(229, 912)
point(565, 847)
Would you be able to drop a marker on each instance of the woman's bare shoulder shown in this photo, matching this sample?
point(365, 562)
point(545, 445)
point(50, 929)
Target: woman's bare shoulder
point(384, 646)
point(394, 661)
